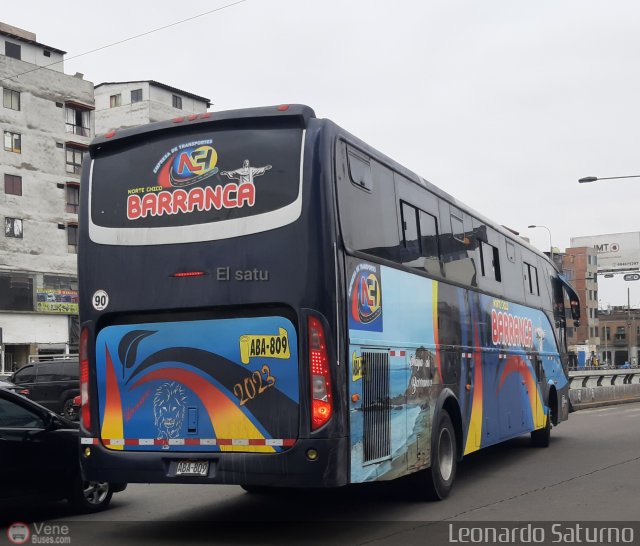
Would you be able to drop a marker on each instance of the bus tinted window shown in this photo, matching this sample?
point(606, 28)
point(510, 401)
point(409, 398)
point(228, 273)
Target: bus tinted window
point(197, 178)
point(368, 220)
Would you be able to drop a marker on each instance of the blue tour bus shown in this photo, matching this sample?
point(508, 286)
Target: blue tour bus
point(269, 301)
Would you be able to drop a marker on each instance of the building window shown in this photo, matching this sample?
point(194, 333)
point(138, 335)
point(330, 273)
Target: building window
point(177, 102)
point(136, 95)
point(77, 121)
point(115, 100)
point(16, 292)
point(73, 198)
point(606, 333)
point(72, 238)
point(74, 160)
point(12, 142)
point(11, 99)
point(13, 227)
point(12, 50)
point(620, 333)
point(12, 184)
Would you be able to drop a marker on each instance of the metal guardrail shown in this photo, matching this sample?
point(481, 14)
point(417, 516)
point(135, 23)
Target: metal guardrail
point(599, 387)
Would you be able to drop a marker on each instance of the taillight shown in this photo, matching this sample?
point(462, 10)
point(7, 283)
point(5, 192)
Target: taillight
point(84, 378)
point(321, 401)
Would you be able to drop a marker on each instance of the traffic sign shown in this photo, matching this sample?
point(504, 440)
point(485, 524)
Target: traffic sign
point(632, 277)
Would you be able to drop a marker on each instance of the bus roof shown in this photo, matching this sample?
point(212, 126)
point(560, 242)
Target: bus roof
point(300, 111)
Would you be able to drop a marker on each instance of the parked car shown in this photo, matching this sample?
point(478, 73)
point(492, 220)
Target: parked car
point(52, 383)
point(6, 384)
point(40, 457)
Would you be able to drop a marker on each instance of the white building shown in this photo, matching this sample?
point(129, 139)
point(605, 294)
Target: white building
point(46, 121)
point(125, 104)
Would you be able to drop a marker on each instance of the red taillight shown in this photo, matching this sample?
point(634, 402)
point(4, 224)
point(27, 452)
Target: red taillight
point(84, 378)
point(321, 401)
point(189, 274)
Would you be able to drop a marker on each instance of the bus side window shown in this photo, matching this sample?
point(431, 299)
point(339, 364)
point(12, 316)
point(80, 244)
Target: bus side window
point(457, 246)
point(429, 235)
point(368, 218)
point(531, 279)
point(429, 245)
point(359, 171)
point(490, 261)
point(410, 232)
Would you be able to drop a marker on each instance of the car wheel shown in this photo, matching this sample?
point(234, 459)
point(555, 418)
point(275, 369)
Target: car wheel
point(70, 411)
point(90, 496)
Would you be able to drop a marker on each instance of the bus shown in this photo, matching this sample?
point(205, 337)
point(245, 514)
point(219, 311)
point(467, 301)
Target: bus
point(268, 301)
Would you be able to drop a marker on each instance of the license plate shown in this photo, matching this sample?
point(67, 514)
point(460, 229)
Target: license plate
point(192, 468)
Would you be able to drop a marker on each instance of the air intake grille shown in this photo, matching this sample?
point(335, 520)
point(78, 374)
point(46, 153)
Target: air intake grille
point(375, 406)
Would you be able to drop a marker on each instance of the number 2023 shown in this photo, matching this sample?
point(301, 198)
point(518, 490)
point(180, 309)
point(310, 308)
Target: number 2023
point(254, 385)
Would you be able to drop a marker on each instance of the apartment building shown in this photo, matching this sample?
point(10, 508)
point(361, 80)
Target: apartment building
point(580, 267)
point(46, 121)
point(125, 104)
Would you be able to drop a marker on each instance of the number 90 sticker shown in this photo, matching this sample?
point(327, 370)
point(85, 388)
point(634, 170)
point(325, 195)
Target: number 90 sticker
point(100, 300)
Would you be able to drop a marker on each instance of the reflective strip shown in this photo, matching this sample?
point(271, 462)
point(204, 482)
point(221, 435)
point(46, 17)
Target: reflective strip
point(190, 441)
point(397, 353)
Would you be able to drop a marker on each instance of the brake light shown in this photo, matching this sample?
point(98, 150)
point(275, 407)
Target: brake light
point(189, 274)
point(321, 400)
point(84, 378)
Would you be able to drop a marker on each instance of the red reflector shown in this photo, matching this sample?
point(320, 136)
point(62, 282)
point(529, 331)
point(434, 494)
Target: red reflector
point(206, 115)
point(192, 117)
point(189, 274)
point(283, 107)
point(110, 134)
point(178, 120)
point(84, 378)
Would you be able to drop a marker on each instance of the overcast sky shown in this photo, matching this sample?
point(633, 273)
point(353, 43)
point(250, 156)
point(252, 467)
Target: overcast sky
point(502, 103)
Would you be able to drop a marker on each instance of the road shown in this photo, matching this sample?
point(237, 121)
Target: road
point(591, 472)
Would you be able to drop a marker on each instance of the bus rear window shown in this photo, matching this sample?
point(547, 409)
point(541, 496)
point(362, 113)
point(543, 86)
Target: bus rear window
point(199, 178)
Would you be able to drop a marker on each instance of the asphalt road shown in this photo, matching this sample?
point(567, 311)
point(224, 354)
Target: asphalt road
point(590, 473)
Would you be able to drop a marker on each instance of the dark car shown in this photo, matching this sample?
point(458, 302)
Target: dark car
point(51, 383)
point(40, 457)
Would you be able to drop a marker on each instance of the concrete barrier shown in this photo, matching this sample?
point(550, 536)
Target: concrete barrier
point(593, 388)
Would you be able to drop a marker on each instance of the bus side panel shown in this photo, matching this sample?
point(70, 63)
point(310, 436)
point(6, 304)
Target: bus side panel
point(392, 371)
point(409, 336)
point(199, 385)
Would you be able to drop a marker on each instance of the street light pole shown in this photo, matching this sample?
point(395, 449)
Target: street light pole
point(550, 242)
point(588, 179)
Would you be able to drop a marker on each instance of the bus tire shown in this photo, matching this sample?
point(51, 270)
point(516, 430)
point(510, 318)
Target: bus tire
point(542, 437)
point(436, 482)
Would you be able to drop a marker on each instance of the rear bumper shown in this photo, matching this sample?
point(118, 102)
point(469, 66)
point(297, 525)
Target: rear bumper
point(291, 468)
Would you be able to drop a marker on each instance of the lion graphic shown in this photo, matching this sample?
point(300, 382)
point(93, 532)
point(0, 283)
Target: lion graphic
point(169, 408)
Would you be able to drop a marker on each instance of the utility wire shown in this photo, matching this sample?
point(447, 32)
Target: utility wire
point(126, 39)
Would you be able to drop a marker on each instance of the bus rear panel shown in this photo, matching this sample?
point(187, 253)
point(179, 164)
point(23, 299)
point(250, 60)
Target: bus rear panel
point(208, 349)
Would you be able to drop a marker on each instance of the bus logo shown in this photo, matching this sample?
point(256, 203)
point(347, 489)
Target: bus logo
point(188, 166)
point(365, 292)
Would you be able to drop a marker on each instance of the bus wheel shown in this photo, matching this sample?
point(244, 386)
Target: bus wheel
point(436, 482)
point(542, 437)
